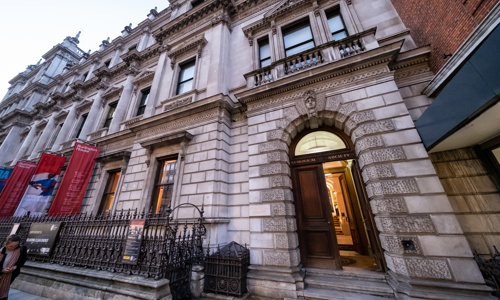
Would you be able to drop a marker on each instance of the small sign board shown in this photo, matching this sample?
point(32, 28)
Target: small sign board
point(133, 242)
point(41, 238)
point(15, 227)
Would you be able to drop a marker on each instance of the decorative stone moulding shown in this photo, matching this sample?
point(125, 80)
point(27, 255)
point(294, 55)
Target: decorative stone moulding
point(197, 42)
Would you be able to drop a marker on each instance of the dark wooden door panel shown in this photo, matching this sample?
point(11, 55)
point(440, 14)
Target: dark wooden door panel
point(318, 242)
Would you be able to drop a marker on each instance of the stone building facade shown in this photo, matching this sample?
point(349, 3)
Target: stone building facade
point(210, 103)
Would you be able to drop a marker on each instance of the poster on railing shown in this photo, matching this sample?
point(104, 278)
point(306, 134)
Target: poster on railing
point(4, 175)
point(14, 188)
point(133, 242)
point(41, 185)
point(72, 189)
point(41, 238)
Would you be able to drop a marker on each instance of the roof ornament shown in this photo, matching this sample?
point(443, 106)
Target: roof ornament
point(38, 63)
point(105, 43)
point(128, 28)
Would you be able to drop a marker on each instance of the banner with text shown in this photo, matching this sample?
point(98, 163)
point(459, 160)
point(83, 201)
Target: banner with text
point(15, 187)
point(70, 194)
point(41, 185)
point(4, 175)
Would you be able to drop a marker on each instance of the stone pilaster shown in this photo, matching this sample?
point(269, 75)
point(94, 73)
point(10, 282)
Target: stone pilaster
point(11, 141)
point(123, 103)
point(27, 142)
point(68, 124)
point(156, 85)
point(47, 131)
point(92, 118)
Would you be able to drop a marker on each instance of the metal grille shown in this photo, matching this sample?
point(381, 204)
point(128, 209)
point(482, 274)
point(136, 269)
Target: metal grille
point(490, 268)
point(98, 242)
point(226, 270)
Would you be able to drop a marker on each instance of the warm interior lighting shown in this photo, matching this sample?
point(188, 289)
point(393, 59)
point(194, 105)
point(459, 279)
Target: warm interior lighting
point(319, 141)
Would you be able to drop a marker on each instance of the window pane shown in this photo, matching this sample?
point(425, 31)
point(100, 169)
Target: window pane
point(335, 23)
point(265, 49)
point(339, 36)
point(300, 48)
point(297, 35)
point(185, 87)
point(319, 141)
point(187, 72)
point(265, 63)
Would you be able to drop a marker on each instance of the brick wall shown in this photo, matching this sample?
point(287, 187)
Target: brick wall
point(442, 24)
point(473, 196)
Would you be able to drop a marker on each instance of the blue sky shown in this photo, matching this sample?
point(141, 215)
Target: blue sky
point(29, 28)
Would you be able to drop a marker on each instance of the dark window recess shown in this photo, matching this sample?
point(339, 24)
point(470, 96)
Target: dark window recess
point(111, 113)
point(264, 53)
point(107, 63)
point(196, 3)
point(164, 184)
point(186, 77)
point(132, 47)
point(82, 123)
point(109, 192)
point(298, 38)
point(84, 76)
point(336, 24)
point(143, 102)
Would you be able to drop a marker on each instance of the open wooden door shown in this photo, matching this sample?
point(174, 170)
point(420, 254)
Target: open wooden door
point(314, 219)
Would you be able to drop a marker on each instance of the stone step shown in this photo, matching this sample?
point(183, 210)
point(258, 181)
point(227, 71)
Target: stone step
point(322, 294)
point(348, 273)
point(378, 288)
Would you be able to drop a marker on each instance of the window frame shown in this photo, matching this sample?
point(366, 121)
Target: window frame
point(183, 65)
point(291, 27)
point(82, 123)
point(259, 47)
point(156, 203)
point(108, 118)
point(330, 14)
point(109, 191)
point(143, 101)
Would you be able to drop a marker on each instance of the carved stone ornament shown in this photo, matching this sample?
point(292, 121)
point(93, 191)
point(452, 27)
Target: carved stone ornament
point(310, 104)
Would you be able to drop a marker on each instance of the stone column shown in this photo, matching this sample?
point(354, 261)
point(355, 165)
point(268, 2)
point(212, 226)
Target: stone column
point(116, 56)
point(93, 116)
point(68, 123)
point(217, 80)
point(44, 137)
point(27, 142)
point(146, 32)
point(123, 103)
point(10, 142)
point(156, 85)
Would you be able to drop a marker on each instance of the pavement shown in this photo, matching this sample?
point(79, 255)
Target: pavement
point(19, 295)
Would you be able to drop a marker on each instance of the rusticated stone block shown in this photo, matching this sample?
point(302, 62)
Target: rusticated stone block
point(382, 155)
point(285, 240)
point(333, 102)
point(291, 113)
point(272, 146)
point(368, 142)
point(378, 172)
point(392, 187)
point(399, 265)
point(405, 224)
point(282, 209)
point(276, 195)
point(359, 118)
point(278, 224)
point(388, 206)
point(280, 181)
point(428, 268)
point(394, 244)
point(272, 169)
point(280, 258)
point(344, 111)
point(277, 157)
point(371, 128)
point(277, 134)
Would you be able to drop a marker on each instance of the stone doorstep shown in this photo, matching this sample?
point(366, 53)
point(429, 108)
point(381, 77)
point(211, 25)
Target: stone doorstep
point(120, 285)
point(435, 289)
point(350, 273)
point(322, 294)
point(349, 285)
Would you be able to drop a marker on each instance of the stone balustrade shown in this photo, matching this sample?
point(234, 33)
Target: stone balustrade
point(328, 52)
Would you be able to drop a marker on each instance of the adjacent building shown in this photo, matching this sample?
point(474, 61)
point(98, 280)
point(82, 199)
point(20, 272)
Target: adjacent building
point(325, 134)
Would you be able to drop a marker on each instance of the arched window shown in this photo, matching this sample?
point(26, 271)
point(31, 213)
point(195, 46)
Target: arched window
point(319, 141)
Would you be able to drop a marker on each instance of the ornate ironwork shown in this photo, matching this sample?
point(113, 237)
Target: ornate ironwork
point(490, 268)
point(226, 270)
point(98, 242)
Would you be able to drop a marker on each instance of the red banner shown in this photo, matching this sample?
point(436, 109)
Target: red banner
point(41, 185)
point(14, 188)
point(70, 194)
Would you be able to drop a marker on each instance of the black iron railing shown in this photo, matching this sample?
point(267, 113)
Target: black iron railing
point(98, 242)
point(226, 270)
point(490, 268)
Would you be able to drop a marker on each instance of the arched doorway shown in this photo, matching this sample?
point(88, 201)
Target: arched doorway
point(334, 223)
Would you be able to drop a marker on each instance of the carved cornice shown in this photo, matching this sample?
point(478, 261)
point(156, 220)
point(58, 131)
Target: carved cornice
point(170, 139)
point(284, 7)
point(197, 42)
point(84, 105)
point(112, 157)
point(144, 77)
point(112, 92)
